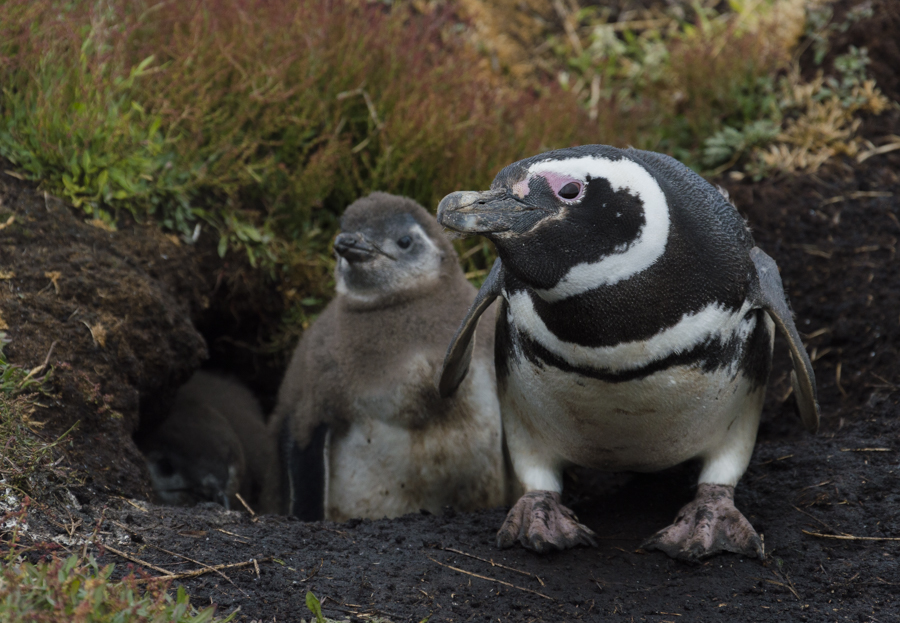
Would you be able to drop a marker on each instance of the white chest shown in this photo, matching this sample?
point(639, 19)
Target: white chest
point(642, 425)
point(645, 424)
point(397, 457)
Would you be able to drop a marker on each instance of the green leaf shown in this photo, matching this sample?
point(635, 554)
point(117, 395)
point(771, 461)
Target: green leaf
point(314, 606)
point(252, 233)
point(102, 181)
point(143, 65)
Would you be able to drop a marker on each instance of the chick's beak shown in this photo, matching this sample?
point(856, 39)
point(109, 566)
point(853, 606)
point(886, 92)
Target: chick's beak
point(353, 247)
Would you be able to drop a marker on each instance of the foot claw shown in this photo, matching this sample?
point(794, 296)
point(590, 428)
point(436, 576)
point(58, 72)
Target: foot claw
point(541, 523)
point(708, 525)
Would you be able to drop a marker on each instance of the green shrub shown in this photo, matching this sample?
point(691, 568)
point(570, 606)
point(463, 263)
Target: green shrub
point(262, 119)
point(80, 591)
point(71, 117)
point(718, 88)
point(685, 76)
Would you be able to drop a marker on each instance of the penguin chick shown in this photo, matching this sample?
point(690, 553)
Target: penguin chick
point(635, 332)
point(363, 431)
point(213, 446)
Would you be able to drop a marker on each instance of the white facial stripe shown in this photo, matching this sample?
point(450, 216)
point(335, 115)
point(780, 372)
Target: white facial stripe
point(637, 256)
point(691, 330)
point(424, 271)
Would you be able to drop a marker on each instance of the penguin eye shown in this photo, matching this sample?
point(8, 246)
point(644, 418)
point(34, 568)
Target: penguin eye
point(404, 242)
point(570, 190)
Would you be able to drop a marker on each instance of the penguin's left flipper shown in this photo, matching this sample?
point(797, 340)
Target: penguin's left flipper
point(459, 354)
point(306, 473)
point(770, 297)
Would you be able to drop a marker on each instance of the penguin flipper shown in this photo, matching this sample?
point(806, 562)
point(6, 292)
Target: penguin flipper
point(306, 473)
point(459, 353)
point(771, 298)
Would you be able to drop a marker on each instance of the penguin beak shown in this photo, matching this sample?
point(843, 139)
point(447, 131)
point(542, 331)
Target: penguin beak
point(487, 212)
point(355, 248)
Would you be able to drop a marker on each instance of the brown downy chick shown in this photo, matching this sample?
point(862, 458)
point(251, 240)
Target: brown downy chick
point(213, 446)
point(362, 430)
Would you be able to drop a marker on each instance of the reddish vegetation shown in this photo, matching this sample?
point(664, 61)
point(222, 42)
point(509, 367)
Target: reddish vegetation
point(291, 106)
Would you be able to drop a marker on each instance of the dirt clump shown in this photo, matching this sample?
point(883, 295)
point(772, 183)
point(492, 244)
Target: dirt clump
point(112, 310)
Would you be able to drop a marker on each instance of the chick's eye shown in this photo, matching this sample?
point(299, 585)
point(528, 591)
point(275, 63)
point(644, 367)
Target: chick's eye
point(570, 190)
point(404, 242)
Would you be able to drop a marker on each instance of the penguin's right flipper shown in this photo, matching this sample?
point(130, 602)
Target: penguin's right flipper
point(304, 486)
point(771, 298)
point(459, 354)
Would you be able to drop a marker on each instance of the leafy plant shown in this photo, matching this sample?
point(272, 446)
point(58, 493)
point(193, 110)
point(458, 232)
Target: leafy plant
point(704, 82)
point(820, 121)
point(79, 128)
point(261, 129)
point(820, 25)
point(851, 69)
point(312, 602)
point(76, 589)
point(726, 146)
point(670, 81)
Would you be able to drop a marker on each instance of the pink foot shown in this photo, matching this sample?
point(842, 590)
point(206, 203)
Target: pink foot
point(541, 523)
point(708, 525)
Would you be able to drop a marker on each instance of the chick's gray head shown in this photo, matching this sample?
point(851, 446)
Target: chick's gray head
point(388, 246)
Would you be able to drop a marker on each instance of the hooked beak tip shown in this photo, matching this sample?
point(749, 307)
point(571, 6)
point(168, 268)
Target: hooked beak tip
point(488, 212)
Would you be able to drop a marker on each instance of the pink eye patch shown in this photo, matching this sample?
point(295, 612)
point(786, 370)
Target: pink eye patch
point(564, 186)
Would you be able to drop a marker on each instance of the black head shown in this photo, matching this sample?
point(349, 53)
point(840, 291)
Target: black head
point(388, 245)
point(595, 209)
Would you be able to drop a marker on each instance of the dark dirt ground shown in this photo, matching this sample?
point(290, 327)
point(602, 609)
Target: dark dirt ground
point(834, 235)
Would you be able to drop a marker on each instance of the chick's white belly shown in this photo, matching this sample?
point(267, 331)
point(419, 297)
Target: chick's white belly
point(368, 471)
point(384, 466)
point(554, 418)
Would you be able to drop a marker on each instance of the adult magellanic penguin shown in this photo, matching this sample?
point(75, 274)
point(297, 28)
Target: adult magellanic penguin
point(363, 431)
point(635, 333)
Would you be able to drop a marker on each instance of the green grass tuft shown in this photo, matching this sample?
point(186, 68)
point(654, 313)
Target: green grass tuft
point(29, 463)
point(79, 590)
point(263, 120)
point(15, 380)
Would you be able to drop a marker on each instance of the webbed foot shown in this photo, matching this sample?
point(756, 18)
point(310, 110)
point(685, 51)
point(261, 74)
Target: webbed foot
point(708, 525)
point(540, 522)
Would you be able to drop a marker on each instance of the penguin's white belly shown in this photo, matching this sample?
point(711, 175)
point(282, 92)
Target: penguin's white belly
point(390, 462)
point(645, 424)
